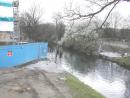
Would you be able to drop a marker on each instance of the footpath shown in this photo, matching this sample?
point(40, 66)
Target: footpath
point(25, 83)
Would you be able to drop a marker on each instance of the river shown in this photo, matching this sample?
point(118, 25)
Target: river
point(106, 77)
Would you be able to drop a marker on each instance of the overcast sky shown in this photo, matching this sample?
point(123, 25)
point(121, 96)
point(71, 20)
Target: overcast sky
point(50, 7)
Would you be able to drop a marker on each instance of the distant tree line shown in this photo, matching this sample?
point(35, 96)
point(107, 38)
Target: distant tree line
point(115, 34)
point(32, 28)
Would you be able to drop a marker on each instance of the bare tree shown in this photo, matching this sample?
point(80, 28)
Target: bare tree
point(101, 6)
point(60, 26)
point(30, 20)
point(115, 20)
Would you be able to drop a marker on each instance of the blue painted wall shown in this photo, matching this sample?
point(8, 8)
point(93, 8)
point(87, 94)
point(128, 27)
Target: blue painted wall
point(22, 53)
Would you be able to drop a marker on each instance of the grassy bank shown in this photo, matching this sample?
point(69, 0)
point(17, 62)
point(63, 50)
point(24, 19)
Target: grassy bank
point(80, 90)
point(123, 61)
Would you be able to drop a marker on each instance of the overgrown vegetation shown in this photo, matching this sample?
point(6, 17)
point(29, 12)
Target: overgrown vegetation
point(81, 39)
point(124, 61)
point(80, 90)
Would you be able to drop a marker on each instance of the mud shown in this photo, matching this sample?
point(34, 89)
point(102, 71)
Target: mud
point(32, 83)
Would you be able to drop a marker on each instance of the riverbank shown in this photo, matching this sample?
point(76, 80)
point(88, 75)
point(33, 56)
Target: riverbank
point(110, 56)
point(36, 83)
point(123, 61)
point(80, 90)
point(117, 58)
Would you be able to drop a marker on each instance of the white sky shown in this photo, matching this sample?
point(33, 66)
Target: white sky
point(50, 7)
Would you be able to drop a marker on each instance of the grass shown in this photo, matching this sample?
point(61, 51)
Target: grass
point(124, 61)
point(80, 90)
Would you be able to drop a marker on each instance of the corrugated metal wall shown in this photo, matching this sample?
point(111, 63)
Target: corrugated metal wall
point(13, 55)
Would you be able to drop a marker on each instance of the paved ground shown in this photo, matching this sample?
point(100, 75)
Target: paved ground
point(35, 83)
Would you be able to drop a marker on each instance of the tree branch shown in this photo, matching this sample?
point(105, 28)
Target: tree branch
point(109, 13)
point(79, 15)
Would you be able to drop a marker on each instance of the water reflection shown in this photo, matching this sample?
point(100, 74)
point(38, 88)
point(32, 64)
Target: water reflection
point(127, 92)
point(108, 78)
